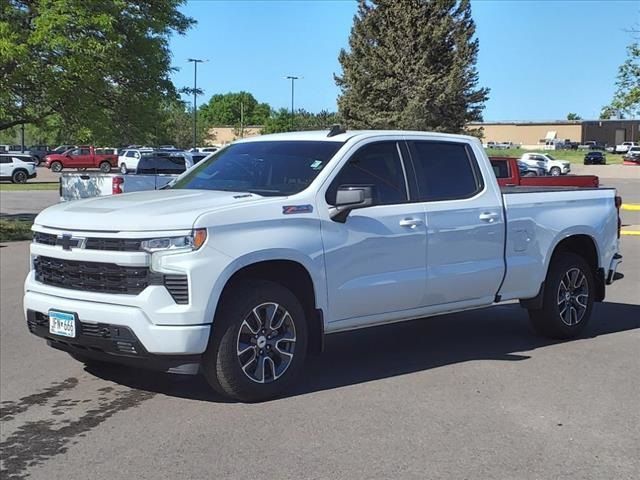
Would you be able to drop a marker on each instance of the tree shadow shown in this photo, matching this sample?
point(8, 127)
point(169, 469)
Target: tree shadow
point(499, 333)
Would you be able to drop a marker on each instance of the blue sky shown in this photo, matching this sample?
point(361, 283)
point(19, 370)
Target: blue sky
point(541, 59)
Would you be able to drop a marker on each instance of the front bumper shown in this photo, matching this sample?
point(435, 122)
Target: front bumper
point(153, 338)
point(110, 343)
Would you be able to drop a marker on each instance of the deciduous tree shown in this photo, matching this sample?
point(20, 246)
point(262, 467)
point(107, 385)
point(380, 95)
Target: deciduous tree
point(102, 65)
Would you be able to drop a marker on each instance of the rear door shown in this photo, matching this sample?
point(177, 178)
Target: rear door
point(465, 224)
point(6, 166)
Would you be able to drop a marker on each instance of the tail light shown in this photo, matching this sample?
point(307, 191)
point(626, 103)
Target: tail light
point(116, 185)
point(618, 201)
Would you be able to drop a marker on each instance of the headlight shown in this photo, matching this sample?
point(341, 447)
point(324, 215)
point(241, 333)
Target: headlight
point(183, 243)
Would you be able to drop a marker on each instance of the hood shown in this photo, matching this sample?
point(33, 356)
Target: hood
point(154, 210)
point(55, 156)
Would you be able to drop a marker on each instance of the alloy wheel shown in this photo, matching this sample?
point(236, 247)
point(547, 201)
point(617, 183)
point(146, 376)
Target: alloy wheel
point(266, 343)
point(573, 296)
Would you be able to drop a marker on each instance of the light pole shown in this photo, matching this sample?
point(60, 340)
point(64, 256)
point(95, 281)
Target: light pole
point(195, 61)
point(293, 78)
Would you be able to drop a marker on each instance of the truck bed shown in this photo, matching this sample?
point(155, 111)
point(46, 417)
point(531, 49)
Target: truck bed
point(543, 189)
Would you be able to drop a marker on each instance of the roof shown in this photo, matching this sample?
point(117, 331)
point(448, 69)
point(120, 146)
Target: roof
point(321, 135)
point(554, 122)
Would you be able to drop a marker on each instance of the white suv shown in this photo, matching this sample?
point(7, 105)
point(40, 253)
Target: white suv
point(14, 169)
point(128, 159)
point(551, 165)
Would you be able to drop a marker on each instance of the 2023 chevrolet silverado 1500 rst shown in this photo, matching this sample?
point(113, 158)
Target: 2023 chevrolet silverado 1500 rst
point(243, 265)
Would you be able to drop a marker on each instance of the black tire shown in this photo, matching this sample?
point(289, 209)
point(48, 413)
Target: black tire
point(56, 167)
point(555, 171)
point(551, 320)
point(230, 333)
point(123, 169)
point(37, 161)
point(19, 176)
point(105, 167)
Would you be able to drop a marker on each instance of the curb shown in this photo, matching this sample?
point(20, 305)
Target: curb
point(632, 207)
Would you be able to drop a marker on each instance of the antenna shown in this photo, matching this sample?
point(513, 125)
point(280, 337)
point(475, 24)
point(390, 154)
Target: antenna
point(336, 129)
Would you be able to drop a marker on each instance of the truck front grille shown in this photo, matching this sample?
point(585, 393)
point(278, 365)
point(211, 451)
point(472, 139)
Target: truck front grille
point(91, 276)
point(94, 243)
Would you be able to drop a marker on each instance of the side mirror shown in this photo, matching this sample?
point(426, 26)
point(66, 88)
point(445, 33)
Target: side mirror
point(350, 198)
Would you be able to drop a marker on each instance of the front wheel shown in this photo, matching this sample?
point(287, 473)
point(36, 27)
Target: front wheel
point(56, 167)
point(258, 343)
point(567, 298)
point(105, 167)
point(555, 171)
point(19, 176)
point(123, 168)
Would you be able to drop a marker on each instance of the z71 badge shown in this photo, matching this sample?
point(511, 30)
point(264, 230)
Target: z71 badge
point(292, 209)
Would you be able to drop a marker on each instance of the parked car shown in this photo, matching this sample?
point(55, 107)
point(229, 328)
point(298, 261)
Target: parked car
point(39, 151)
point(81, 157)
point(242, 266)
point(509, 173)
point(14, 169)
point(129, 158)
point(592, 145)
point(13, 149)
point(551, 165)
point(595, 158)
point(624, 147)
point(529, 171)
point(569, 145)
point(157, 163)
point(632, 153)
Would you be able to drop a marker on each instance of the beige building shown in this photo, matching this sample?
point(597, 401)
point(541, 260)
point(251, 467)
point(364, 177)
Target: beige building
point(610, 132)
point(224, 135)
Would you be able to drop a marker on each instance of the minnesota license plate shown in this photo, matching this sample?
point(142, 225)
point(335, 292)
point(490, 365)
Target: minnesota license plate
point(62, 323)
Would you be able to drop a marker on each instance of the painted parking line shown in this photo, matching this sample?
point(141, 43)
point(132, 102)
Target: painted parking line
point(630, 232)
point(634, 207)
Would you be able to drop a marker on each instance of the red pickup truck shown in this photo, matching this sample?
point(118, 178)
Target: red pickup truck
point(83, 157)
point(508, 175)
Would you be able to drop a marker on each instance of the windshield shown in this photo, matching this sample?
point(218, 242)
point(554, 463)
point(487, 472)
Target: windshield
point(550, 157)
point(271, 168)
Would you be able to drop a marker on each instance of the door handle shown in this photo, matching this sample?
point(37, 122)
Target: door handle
point(488, 217)
point(410, 222)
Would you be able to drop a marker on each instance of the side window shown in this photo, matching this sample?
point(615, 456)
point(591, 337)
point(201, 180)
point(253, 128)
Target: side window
point(75, 152)
point(377, 165)
point(6, 160)
point(501, 169)
point(85, 151)
point(131, 154)
point(445, 170)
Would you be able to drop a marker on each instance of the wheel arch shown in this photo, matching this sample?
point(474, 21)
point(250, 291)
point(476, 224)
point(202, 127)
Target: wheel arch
point(581, 244)
point(291, 274)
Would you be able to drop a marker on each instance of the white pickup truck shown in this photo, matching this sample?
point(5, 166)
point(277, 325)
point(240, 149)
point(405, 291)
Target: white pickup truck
point(242, 266)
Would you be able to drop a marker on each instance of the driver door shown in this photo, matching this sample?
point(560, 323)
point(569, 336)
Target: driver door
point(376, 260)
point(79, 158)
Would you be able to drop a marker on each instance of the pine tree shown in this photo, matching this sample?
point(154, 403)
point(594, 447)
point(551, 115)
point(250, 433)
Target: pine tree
point(411, 65)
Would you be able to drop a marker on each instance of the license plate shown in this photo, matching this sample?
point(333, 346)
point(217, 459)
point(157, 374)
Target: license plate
point(62, 323)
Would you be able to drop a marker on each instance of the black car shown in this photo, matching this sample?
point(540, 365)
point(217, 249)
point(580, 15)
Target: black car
point(595, 157)
point(39, 151)
point(158, 163)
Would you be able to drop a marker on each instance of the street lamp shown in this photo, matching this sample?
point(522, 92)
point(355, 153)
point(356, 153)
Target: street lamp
point(195, 61)
point(293, 78)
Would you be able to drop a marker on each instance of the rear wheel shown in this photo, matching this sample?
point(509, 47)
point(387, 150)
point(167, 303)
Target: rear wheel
point(105, 167)
point(19, 176)
point(56, 167)
point(555, 171)
point(258, 343)
point(567, 298)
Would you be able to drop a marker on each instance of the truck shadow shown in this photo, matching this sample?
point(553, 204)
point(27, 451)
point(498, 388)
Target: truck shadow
point(499, 333)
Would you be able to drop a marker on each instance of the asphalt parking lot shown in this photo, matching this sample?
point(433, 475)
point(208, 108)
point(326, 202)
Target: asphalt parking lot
point(471, 395)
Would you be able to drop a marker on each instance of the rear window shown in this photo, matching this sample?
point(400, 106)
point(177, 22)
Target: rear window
point(445, 170)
